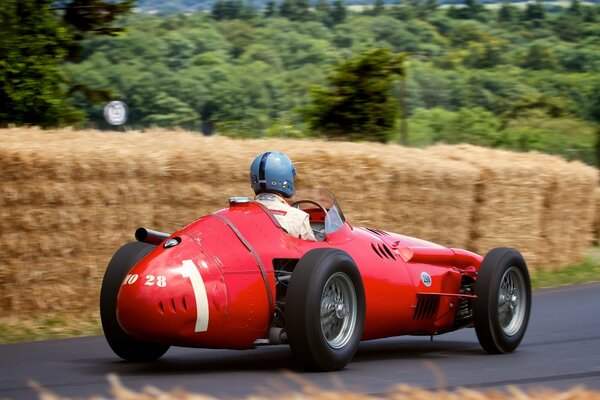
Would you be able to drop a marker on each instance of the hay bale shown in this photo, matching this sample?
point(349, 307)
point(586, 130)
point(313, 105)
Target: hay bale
point(69, 199)
point(568, 215)
point(596, 235)
point(537, 203)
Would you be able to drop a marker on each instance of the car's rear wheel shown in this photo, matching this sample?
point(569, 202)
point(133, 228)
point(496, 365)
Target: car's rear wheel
point(124, 345)
point(325, 309)
point(501, 310)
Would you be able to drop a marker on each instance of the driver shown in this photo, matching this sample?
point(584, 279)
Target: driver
point(272, 179)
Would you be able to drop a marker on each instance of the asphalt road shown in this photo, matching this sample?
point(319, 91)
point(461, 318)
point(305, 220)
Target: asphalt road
point(561, 349)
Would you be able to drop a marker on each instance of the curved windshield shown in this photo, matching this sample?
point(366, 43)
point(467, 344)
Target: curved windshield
point(311, 201)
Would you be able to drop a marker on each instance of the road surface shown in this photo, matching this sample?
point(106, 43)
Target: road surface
point(561, 349)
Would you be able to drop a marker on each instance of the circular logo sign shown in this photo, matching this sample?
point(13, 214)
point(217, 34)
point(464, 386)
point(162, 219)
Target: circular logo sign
point(115, 113)
point(426, 279)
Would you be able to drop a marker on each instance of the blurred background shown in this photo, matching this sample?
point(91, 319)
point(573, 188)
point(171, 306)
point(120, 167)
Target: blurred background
point(513, 75)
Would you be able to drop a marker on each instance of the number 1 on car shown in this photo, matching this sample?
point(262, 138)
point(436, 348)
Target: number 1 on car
point(191, 272)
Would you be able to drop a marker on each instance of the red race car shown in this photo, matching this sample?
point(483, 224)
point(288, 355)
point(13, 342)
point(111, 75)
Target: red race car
point(235, 279)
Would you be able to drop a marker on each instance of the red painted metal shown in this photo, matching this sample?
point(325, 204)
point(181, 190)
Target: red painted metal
point(233, 252)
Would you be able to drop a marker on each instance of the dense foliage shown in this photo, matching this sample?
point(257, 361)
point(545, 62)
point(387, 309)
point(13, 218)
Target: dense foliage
point(502, 76)
point(36, 36)
point(358, 104)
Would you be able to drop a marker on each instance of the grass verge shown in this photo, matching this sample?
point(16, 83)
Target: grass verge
point(16, 329)
point(586, 271)
point(53, 326)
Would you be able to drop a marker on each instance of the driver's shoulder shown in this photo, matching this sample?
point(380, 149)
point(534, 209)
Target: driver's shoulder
point(296, 212)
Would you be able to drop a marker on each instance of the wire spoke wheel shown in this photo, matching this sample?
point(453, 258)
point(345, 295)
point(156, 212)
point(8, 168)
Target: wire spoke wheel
point(511, 298)
point(501, 310)
point(325, 310)
point(338, 310)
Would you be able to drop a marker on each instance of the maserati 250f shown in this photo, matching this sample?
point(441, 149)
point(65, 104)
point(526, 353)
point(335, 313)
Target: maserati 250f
point(235, 279)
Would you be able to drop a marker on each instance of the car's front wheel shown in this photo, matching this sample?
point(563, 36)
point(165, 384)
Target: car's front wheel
point(325, 309)
point(501, 310)
point(124, 345)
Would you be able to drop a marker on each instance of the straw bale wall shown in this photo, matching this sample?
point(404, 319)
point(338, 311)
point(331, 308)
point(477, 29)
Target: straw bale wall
point(597, 218)
point(540, 204)
point(69, 199)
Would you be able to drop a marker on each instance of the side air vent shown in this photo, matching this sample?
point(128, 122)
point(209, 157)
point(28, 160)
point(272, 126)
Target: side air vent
point(376, 251)
point(427, 307)
point(378, 232)
point(389, 253)
point(382, 251)
point(173, 306)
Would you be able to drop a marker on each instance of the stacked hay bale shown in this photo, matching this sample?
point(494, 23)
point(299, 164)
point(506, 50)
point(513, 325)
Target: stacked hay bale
point(597, 217)
point(537, 203)
point(69, 199)
point(395, 188)
point(569, 212)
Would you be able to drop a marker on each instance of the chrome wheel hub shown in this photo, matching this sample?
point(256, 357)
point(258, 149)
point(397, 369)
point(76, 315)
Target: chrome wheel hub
point(338, 310)
point(511, 301)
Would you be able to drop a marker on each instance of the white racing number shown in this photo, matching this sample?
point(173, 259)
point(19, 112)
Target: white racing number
point(191, 272)
point(160, 281)
point(130, 279)
point(151, 280)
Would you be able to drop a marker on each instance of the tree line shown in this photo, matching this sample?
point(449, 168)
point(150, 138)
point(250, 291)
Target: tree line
point(518, 78)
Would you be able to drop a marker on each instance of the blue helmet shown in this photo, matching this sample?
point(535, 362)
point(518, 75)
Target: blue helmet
point(272, 172)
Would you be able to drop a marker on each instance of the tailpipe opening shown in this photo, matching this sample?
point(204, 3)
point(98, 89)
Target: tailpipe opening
point(149, 236)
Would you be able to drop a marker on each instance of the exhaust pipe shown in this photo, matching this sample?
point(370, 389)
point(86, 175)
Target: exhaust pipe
point(149, 236)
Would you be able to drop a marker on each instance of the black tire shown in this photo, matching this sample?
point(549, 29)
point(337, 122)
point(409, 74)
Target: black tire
point(343, 318)
point(503, 284)
point(124, 345)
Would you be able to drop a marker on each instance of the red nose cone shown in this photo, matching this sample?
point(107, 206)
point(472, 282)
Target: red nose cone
point(206, 291)
point(172, 296)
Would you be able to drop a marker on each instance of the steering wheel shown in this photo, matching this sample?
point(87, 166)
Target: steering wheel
point(315, 203)
point(319, 233)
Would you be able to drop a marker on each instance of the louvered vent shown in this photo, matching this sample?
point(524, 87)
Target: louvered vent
point(427, 307)
point(382, 251)
point(376, 250)
point(378, 232)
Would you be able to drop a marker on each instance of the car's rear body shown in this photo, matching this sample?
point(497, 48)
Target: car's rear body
point(222, 282)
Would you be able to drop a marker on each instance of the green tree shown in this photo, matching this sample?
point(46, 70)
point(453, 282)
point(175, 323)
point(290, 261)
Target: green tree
point(337, 13)
point(590, 14)
point(468, 125)
point(295, 10)
point(575, 8)
point(170, 111)
point(428, 8)
point(32, 45)
point(270, 9)
point(506, 12)
point(549, 106)
point(83, 17)
point(595, 114)
point(569, 27)
point(358, 104)
point(404, 10)
point(471, 10)
point(239, 34)
point(232, 9)
point(36, 37)
point(378, 7)
point(535, 13)
point(540, 55)
point(322, 6)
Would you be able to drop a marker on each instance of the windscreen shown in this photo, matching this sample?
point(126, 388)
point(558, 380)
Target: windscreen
point(334, 219)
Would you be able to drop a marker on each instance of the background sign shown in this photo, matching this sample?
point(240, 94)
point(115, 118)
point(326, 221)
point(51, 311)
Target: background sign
point(115, 113)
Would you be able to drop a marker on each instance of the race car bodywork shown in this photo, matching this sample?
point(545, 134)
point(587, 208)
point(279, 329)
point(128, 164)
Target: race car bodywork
point(235, 279)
